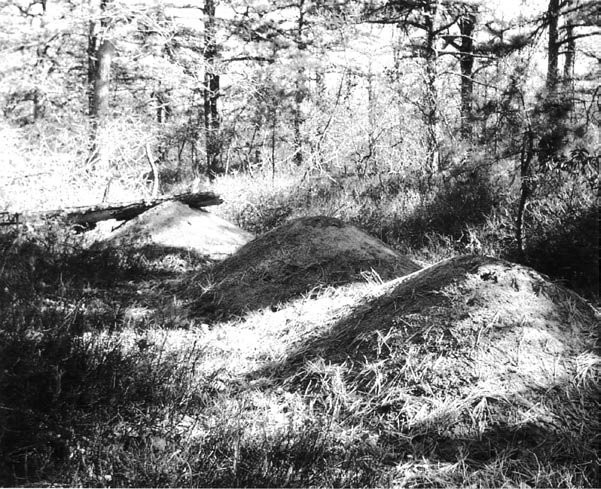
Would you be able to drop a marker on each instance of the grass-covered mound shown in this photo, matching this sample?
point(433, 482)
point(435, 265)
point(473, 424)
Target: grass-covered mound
point(473, 360)
point(336, 388)
point(295, 258)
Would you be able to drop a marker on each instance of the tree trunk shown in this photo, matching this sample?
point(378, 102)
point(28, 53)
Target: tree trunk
point(466, 61)
point(102, 80)
point(212, 122)
point(100, 57)
point(552, 128)
point(106, 52)
point(553, 47)
point(38, 104)
point(299, 87)
point(527, 155)
point(93, 44)
point(163, 107)
point(569, 63)
point(92, 48)
point(371, 117)
point(430, 111)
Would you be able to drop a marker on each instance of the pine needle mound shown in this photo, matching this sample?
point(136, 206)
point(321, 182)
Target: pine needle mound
point(471, 356)
point(176, 225)
point(296, 258)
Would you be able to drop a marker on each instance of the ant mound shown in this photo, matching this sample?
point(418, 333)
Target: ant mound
point(176, 225)
point(470, 356)
point(298, 257)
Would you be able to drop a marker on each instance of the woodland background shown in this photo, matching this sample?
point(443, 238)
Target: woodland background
point(442, 127)
point(458, 125)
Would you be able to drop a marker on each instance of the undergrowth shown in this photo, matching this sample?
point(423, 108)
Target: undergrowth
point(106, 380)
point(464, 213)
point(88, 399)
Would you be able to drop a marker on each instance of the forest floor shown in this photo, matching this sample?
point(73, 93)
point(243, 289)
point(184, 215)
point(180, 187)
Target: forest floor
point(314, 355)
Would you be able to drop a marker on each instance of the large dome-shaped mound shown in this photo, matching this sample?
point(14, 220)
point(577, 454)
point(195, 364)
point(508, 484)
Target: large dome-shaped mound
point(462, 352)
point(295, 258)
point(175, 225)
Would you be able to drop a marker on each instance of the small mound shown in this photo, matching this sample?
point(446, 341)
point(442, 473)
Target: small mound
point(457, 350)
point(176, 225)
point(295, 258)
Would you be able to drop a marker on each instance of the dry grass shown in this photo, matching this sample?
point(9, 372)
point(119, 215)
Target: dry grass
point(471, 372)
point(299, 257)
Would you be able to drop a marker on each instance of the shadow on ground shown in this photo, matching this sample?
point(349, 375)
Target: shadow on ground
point(469, 360)
point(110, 287)
point(61, 375)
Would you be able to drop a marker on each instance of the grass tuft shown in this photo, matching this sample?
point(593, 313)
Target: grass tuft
point(474, 372)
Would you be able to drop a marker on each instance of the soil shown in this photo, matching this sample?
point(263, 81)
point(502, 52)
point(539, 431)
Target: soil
point(482, 337)
point(176, 225)
point(297, 258)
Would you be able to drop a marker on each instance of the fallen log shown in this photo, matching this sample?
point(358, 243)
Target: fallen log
point(88, 216)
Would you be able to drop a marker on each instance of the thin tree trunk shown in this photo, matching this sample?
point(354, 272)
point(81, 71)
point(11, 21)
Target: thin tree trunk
point(526, 158)
point(399, 87)
point(553, 47)
point(299, 89)
point(163, 108)
point(371, 116)
point(92, 48)
point(569, 63)
point(212, 121)
point(100, 55)
point(321, 103)
point(102, 80)
point(431, 96)
point(94, 26)
point(274, 124)
point(38, 105)
point(466, 61)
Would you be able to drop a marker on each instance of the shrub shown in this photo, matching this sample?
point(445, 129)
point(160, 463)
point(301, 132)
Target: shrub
point(566, 247)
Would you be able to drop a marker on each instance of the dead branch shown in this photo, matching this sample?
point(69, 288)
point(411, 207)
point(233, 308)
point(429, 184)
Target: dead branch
point(87, 216)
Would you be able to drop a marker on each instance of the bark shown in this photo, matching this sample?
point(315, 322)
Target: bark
point(100, 56)
point(212, 122)
point(273, 132)
point(570, 55)
point(552, 127)
point(102, 80)
point(106, 51)
point(299, 88)
point(466, 61)
point(156, 184)
point(163, 107)
point(430, 112)
point(553, 47)
point(88, 216)
point(94, 26)
point(38, 106)
point(569, 63)
point(527, 155)
point(92, 47)
point(399, 88)
point(371, 118)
